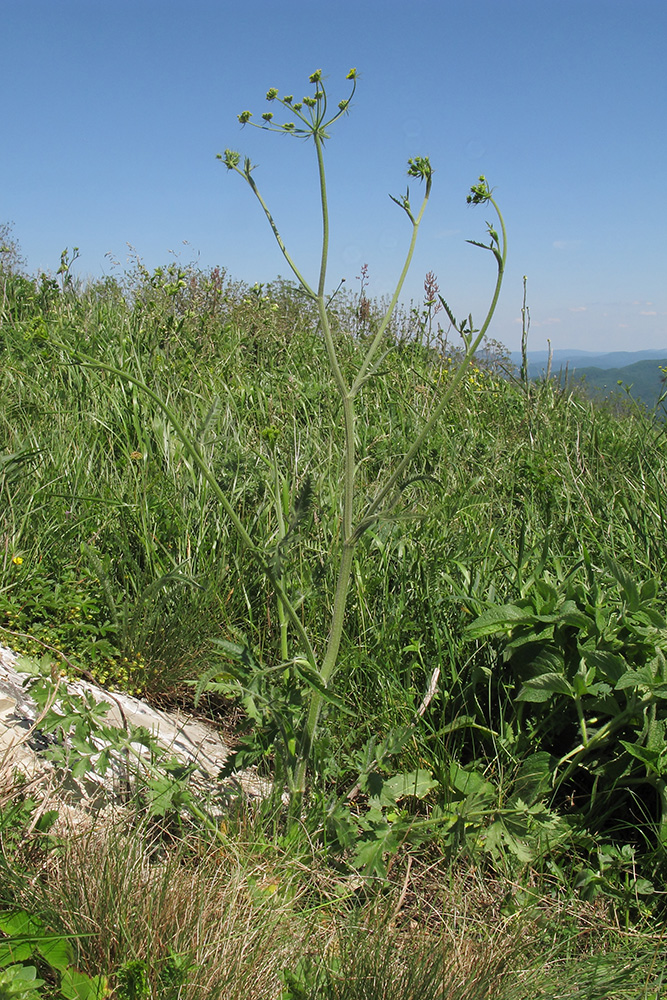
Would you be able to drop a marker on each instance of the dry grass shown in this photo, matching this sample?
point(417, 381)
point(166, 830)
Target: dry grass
point(247, 915)
point(128, 897)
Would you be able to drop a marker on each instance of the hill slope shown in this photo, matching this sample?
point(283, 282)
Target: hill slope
point(644, 379)
point(605, 374)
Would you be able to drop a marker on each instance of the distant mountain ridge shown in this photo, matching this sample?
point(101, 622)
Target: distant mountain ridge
point(537, 360)
point(640, 371)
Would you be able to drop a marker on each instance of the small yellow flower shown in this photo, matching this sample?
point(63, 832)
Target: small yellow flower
point(136, 456)
point(17, 560)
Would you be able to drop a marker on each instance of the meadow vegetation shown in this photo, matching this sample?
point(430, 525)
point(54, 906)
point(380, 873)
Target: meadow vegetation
point(420, 593)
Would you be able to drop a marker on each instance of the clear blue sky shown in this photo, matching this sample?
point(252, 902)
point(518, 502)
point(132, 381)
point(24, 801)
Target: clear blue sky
point(113, 112)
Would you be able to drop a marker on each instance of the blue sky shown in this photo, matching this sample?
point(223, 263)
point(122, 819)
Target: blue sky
point(113, 113)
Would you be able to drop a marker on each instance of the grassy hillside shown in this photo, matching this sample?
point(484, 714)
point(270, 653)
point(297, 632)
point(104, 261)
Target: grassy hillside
point(498, 700)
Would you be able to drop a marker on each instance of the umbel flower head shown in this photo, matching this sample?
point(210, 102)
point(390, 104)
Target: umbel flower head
point(311, 111)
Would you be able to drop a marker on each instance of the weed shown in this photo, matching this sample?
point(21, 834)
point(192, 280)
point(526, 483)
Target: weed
point(293, 710)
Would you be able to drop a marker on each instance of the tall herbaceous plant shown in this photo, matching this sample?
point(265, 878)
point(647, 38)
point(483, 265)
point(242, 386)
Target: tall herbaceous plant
point(301, 658)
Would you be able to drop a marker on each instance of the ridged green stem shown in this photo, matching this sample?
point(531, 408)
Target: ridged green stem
point(282, 531)
point(349, 535)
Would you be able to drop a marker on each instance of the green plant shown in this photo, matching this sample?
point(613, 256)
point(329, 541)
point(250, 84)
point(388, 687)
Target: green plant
point(83, 741)
point(19, 982)
point(26, 937)
point(586, 672)
point(133, 979)
point(295, 707)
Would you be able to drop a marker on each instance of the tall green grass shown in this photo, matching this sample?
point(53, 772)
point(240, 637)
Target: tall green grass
point(115, 552)
point(87, 460)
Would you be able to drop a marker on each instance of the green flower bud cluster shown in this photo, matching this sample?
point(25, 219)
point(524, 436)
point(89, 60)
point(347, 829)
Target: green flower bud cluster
point(420, 166)
point(479, 193)
point(230, 157)
point(271, 434)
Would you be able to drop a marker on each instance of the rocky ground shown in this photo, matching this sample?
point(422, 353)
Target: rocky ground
point(24, 746)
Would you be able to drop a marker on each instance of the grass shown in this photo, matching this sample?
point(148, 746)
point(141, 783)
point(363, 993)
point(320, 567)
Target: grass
point(256, 919)
point(115, 555)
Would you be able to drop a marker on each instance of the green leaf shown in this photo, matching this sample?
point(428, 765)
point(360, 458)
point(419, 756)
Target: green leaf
point(19, 923)
point(29, 665)
point(517, 845)
point(468, 782)
point(235, 652)
point(610, 665)
point(649, 590)
point(314, 681)
point(19, 982)
point(81, 767)
point(497, 619)
point(651, 758)
point(383, 839)
point(542, 659)
point(655, 736)
point(414, 783)
point(569, 614)
point(627, 584)
point(369, 858)
point(534, 778)
point(543, 687)
point(642, 678)
point(57, 951)
point(651, 616)
point(583, 684)
point(75, 985)
point(46, 820)
point(13, 951)
point(165, 794)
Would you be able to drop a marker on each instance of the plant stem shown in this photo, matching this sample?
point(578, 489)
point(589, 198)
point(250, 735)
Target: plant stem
point(349, 534)
point(282, 531)
point(393, 483)
point(302, 281)
point(377, 339)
